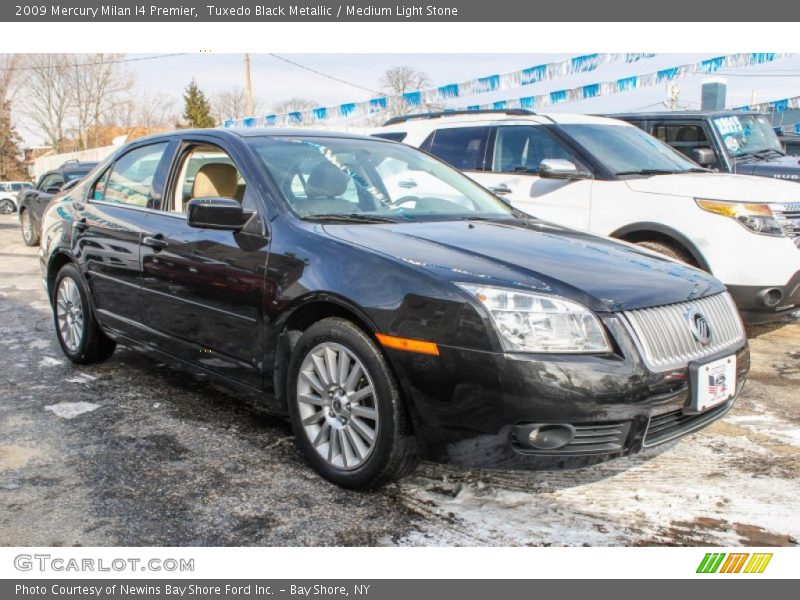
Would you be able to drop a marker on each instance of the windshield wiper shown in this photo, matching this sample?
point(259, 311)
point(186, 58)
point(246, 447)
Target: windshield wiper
point(350, 218)
point(649, 172)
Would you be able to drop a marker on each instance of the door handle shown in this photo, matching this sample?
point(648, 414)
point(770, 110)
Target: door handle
point(156, 241)
point(81, 225)
point(500, 189)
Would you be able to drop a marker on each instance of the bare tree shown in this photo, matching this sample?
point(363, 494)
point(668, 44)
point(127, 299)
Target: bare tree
point(294, 105)
point(401, 80)
point(97, 85)
point(149, 110)
point(9, 76)
point(231, 104)
point(46, 98)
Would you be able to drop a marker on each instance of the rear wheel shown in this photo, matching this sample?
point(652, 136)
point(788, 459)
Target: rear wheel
point(29, 234)
point(6, 207)
point(345, 406)
point(673, 251)
point(78, 332)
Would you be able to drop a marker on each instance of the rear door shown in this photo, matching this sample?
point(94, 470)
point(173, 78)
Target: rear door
point(203, 288)
point(108, 232)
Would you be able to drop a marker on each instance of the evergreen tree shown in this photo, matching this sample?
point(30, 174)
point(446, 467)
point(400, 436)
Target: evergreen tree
point(197, 109)
point(12, 167)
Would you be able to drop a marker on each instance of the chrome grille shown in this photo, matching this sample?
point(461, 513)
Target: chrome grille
point(788, 216)
point(665, 338)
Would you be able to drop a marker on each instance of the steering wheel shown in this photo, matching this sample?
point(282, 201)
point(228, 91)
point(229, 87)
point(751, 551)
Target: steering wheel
point(402, 200)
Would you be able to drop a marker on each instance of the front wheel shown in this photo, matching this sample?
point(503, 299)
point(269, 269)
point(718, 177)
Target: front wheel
point(78, 332)
point(670, 250)
point(6, 207)
point(345, 406)
point(29, 234)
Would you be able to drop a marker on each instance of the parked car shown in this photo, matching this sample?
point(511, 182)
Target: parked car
point(608, 177)
point(8, 195)
point(730, 141)
point(388, 321)
point(790, 142)
point(33, 201)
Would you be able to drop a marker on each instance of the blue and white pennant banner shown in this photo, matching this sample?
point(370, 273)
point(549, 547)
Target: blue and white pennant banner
point(782, 105)
point(445, 93)
point(625, 84)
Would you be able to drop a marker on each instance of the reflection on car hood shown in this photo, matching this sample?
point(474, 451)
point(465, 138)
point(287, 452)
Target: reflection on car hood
point(597, 272)
point(716, 186)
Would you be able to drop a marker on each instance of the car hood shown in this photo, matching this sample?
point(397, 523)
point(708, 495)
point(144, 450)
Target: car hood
point(717, 186)
point(600, 273)
point(785, 167)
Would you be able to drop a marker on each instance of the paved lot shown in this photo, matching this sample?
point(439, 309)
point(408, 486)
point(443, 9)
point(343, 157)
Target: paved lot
point(165, 460)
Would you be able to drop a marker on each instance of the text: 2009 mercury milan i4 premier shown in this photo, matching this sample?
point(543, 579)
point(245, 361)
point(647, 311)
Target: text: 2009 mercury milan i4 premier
point(390, 305)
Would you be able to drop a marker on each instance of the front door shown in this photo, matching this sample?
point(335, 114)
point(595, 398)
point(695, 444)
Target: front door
point(518, 151)
point(203, 288)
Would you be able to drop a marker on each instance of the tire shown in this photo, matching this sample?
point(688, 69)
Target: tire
point(29, 233)
point(670, 250)
point(7, 207)
point(78, 332)
point(331, 414)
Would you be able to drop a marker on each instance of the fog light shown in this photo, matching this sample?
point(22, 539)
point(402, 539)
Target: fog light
point(549, 436)
point(771, 297)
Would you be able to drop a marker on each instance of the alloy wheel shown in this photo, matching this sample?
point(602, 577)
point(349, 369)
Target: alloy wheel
point(69, 314)
point(6, 208)
point(27, 226)
point(337, 405)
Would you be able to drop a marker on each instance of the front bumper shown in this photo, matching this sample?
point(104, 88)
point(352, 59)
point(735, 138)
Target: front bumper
point(468, 407)
point(766, 304)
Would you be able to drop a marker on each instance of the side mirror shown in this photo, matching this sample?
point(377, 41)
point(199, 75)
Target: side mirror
point(53, 189)
point(216, 213)
point(559, 168)
point(703, 156)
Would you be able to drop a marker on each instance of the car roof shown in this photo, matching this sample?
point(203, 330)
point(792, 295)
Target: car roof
point(249, 132)
point(682, 114)
point(489, 119)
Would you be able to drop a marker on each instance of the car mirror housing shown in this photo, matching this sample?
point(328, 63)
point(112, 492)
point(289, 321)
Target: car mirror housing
point(53, 189)
point(703, 156)
point(216, 213)
point(559, 168)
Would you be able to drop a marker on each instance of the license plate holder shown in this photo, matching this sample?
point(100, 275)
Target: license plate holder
point(711, 384)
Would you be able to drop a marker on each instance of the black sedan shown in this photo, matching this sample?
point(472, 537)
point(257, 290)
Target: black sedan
point(390, 306)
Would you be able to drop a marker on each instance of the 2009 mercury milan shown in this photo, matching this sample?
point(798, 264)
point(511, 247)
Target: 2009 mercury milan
point(389, 320)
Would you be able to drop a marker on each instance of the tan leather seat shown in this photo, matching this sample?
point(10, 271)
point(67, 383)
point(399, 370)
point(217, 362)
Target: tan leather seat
point(216, 180)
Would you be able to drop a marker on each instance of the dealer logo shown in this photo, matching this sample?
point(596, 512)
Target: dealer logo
point(699, 326)
point(735, 562)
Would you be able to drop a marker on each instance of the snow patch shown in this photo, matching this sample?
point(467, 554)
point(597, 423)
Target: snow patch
point(70, 410)
point(49, 361)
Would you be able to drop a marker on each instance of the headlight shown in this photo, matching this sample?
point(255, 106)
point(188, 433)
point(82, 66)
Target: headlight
point(529, 322)
point(758, 218)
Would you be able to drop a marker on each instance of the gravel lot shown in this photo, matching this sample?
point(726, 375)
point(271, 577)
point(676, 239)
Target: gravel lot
point(160, 459)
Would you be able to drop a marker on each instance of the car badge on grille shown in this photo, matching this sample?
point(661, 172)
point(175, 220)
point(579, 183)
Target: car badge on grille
point(699, 326)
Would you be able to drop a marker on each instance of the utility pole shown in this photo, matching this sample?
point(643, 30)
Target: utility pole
point(248, 87)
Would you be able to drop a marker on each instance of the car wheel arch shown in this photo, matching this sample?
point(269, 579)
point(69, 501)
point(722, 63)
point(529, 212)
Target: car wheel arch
point(294, 322)
point(638, 232)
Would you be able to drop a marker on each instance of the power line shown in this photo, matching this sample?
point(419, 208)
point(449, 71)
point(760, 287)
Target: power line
point(99, 62)
point(321, 74)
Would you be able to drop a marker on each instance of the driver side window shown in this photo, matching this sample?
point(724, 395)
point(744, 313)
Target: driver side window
point(521, 149)
point(208, 171)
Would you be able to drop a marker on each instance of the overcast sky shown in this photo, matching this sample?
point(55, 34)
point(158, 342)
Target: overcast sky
point(275, 80)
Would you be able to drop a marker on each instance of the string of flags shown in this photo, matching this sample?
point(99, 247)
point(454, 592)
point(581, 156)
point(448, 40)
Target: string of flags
point(580, 64)
point(781, 105)
point(446, 93)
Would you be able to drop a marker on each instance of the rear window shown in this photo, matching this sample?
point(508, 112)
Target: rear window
point(462, 147)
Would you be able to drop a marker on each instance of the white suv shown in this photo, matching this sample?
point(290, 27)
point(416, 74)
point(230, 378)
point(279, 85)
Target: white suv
point(611, 178)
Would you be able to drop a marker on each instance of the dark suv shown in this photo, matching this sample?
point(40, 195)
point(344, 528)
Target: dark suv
point(731, 141)
point(33, 201)
point(391, 306)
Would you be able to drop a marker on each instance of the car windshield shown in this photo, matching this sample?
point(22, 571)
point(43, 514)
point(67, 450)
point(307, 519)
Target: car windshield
point(747, 134)
point(627, 150)
point(329, 178)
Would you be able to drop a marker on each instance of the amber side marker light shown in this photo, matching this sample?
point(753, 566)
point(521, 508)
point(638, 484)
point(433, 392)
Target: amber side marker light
point(398, 343)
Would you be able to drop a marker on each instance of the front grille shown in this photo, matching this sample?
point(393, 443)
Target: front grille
point(601, 438)
point(789, 217)
point(664, 334)
point(676, 423)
